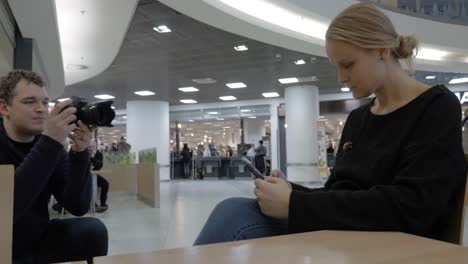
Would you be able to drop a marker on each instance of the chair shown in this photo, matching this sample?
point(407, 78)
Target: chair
point(6, 212)
point(456, 224)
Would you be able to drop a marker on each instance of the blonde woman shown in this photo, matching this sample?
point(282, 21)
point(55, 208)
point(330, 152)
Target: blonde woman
point(399, 163)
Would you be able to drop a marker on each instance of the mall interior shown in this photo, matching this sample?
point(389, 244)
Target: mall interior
point(196, 86)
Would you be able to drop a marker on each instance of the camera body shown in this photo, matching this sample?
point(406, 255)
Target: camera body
point(97, 113)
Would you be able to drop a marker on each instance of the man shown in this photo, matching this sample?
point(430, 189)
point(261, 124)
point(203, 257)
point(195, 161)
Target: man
point(260, 153)
point(31, 139)
point(97, 162)
point(123, 146)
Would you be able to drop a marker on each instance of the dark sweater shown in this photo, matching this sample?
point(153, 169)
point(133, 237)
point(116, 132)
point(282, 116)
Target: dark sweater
point(97, 161)
point(402, 172)
point(42, 168)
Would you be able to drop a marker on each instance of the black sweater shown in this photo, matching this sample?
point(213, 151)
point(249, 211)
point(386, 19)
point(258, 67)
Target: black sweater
point(47, 169)
point(401, 173)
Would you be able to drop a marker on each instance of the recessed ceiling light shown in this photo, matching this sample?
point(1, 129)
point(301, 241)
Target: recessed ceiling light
point(188, 101)
point(269, 95)
point(345, 89)
point(299, 62)
point(458, 80)
point(226, 127)
point(227, 98)
point(204, 80)
point(252, 117)
point(75, 67)
point(162, 29)
point(191, 120)
point(288, 80)
point(236, 85)
point(188, 89)
point(124, 117)
point(430, 77)
point(241, 48)
point(212, 113)
point(144, 93)
point(104, 96)
point(112, 107)
point(245, 110)
point(62, 99)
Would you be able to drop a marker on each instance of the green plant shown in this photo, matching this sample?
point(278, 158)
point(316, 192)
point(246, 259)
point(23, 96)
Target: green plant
point(147, 156)
point(119, 158)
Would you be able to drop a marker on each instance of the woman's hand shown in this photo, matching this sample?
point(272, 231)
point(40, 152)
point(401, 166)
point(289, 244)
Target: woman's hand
point(273, 196)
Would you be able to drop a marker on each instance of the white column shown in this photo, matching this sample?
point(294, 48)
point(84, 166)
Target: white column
point(302, 114)
point(254, 130)
point(148, 127)
point(274, 136)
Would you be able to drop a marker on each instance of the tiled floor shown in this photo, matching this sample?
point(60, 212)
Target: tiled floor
point(185, 205)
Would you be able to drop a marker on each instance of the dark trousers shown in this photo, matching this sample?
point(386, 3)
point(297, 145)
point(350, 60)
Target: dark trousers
point(104, 185)
point(70, 240)
point(260, 163)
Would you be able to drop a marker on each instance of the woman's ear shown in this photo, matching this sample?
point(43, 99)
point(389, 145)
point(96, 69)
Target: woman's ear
point(385, 54)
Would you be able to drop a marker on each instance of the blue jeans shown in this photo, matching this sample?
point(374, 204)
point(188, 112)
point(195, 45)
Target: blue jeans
point(186, 168)
point(238, 219)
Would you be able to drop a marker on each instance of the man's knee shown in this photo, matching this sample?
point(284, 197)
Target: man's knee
point(102, 182)
point(94, 232)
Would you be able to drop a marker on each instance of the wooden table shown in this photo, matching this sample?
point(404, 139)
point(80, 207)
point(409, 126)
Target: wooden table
point(6, 212)
point(330, 247)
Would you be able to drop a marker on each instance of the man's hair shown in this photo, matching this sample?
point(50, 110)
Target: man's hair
point(261, 141)
point(8, 83)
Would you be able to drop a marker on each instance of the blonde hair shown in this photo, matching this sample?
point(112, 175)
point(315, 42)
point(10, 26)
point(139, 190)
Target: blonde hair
point(367, 27)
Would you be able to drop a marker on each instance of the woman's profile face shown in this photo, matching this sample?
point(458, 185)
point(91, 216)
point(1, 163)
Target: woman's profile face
point(362, 70)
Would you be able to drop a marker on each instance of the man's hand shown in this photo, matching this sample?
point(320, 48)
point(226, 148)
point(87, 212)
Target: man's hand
point(273, 196)
point(59, 123)
point(81, 137)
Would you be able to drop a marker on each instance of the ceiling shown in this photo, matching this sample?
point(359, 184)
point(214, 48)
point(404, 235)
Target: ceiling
point(164, 62)
point(161, 63)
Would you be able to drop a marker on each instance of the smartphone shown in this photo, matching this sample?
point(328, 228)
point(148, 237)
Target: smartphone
point(254, 170)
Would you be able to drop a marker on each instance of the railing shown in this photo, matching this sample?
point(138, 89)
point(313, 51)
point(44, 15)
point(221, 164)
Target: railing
point(448, 11)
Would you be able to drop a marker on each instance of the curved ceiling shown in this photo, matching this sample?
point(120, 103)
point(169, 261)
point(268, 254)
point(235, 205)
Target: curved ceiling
point(37, 20)
point(241, 17)
point(91, 33)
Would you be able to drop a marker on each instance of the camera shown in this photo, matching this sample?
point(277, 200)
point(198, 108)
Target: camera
point(97, 113)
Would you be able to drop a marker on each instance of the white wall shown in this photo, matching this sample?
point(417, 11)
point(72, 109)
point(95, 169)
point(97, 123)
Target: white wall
point(254, 130)
point(6, 54)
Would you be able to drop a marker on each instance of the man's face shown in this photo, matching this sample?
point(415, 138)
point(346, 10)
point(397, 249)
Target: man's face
point(92, 148)
point(28, 111)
